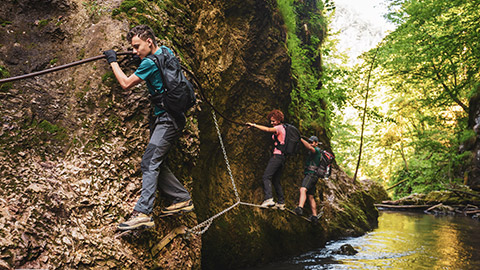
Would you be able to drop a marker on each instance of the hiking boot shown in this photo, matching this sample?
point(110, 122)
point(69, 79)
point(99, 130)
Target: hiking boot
point(268, 203)
point(314, 219)
point(185, 206)
point(299, 211)
point(280, 206)
point(137, 220)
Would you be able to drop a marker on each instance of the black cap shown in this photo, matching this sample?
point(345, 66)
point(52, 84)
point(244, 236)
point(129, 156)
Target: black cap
point(313, 139)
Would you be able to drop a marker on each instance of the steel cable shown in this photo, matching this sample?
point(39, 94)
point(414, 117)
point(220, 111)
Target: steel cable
point(76, 63)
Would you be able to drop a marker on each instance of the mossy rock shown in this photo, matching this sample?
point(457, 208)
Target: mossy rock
point(4, 74)
point(445, 197)
point(376, 190)
point(413, 199)
point(358, 216)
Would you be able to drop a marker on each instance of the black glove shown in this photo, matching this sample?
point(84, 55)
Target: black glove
point(111, 56)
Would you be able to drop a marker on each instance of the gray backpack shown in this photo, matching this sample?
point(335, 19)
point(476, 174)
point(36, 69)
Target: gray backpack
point(179, 95)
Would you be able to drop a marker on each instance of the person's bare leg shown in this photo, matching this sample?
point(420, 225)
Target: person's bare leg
point(313, 204)
point(303, 197)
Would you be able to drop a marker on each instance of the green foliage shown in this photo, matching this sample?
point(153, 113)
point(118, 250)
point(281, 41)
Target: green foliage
point(432, 63)
point(434, 51)
point(131, 7)
point(162, 16)
point(40, 135)
point(109, 79)
point(49, 131)
point(4, 22)
point(94, 9)
point(4, 74)
point(140, 12)
point(53, 61)
point(467, 135)
point(47, 126)
point(306, 30)
point(43, 23)
point(434, 161)
point(425, 72)
point(81, 54)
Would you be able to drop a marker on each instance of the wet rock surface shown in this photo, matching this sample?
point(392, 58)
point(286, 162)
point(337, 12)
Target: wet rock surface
point(376, 190)
point(346, 249)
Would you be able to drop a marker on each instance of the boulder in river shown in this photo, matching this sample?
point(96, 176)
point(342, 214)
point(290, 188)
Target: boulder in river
point(346, 249)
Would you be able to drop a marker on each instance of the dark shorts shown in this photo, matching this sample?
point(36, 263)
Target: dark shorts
point(309, 182)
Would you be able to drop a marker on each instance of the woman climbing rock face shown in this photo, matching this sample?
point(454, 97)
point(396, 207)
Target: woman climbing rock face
point(275, 165)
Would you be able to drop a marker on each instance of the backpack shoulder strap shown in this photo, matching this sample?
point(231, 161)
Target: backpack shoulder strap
point(159, 60)
point(155, 58)
point(164, 50)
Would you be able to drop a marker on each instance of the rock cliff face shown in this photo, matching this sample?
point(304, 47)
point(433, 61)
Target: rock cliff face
point(72, 140)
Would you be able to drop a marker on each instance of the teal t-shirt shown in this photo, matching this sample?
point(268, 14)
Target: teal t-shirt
point(149, 72)
point(313, 159)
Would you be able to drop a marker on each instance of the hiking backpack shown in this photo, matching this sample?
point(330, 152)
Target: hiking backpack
point(179, 95)
point(292, 140)
point(328, 158)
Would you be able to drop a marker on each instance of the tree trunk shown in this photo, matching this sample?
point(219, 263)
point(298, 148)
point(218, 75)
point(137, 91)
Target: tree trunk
point(364, 115)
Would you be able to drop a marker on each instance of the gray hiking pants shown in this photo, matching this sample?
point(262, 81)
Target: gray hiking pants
point(272, 174)
point(154, 168)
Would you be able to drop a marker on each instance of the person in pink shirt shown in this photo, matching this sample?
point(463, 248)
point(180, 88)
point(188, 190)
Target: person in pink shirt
point(275, 165)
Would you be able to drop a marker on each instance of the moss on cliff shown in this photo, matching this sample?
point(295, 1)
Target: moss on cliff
point(376, 190)
point(4, 74)
point(355, 215)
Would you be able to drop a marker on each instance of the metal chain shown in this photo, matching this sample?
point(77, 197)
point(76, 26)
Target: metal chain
point(206, 224)
point(225, 155)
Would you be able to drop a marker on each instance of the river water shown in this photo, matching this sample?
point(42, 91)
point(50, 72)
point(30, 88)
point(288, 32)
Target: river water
point(402, 240)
